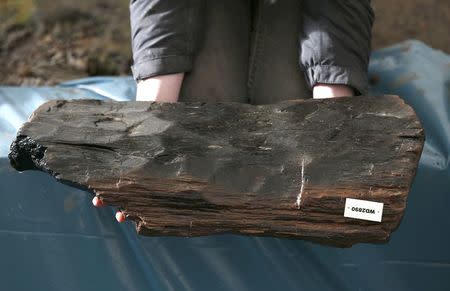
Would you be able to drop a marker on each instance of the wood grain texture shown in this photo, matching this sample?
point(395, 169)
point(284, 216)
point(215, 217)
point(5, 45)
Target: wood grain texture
point(190, 169)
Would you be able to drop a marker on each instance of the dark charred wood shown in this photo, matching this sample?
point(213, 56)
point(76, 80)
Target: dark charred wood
point(190, 169)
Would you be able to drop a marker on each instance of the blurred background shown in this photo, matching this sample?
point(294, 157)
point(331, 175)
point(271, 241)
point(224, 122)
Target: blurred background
point(44, 42)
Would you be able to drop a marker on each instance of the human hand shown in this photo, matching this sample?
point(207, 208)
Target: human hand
point(120, 216)
point(321, 91)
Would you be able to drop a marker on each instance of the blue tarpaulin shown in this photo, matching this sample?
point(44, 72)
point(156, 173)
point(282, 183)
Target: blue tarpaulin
point(52, 238)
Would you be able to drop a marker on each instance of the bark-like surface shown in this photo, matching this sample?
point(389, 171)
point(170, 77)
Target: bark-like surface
point(190, 169)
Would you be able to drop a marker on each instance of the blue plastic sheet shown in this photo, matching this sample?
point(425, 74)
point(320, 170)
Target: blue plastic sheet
point(51, 238)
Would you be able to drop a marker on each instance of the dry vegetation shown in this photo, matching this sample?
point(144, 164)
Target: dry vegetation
point(42, 43)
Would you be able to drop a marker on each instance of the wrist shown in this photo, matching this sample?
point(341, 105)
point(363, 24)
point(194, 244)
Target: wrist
point(321, 91)
point(162, 88)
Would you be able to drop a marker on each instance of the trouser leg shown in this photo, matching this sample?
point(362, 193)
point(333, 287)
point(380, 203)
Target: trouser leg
point(274, 72)
point(220, 67)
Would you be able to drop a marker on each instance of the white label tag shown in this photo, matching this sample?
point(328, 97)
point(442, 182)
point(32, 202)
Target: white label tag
point(363, 209)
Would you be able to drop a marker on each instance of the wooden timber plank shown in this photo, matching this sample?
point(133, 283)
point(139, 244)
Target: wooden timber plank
point(190, 169)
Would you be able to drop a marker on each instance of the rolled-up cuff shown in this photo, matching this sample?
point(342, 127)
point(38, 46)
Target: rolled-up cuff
point(163, 65)
point(337, 75)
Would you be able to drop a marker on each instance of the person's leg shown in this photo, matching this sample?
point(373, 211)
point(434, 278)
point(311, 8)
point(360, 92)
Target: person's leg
point(220, 65)
point(274, 73)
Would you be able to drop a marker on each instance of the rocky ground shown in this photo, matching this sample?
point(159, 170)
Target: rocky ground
point(45, 42)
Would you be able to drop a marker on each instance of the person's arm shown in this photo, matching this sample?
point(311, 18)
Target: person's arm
point(335, 46)
point(164, 88)
point(165, 35)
